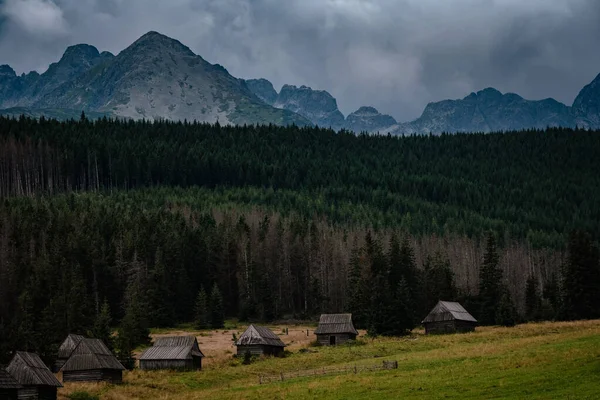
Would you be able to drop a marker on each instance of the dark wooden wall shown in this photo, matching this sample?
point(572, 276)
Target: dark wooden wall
point(340, 338)
point(194, 364)
point(257, 350)
point(37, 393)
point(93, 375)
point(449, 327)
point(8, 394)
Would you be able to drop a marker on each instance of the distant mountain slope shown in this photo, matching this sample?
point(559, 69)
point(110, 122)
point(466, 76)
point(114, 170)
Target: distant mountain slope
point(368, 119)
point(61, 114)
point(263, 89)
point(488, 111)
point(586, 106)
point(320, 107)
point(317, 105)
point(154, 78)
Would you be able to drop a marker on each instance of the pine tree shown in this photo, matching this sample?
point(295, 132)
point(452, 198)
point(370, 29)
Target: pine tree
point(490, 278)
point(506, 312)
point(102, 326)
point(216, 308)
point(438, 282)
point(581, 278)
point(202, 320)
point(358, 302)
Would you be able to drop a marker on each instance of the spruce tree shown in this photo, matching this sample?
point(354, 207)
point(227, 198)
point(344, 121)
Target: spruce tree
point(506, 312)
point(358, 302)
point(217, 319)
point(490, 279)
point(102, 325)
point(581, 278)
point(202, 320)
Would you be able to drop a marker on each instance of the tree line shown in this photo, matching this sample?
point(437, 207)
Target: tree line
point(534, 185)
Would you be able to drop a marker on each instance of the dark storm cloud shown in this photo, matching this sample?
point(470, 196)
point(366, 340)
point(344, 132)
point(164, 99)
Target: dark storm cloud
point(396, 55)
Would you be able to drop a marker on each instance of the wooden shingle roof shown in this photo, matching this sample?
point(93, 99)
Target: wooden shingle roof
point(448, 311)
point(259, 335)
point(7, 381)
point(68, 346)
point(29, 370)
point(173, 348)
point(92, 354)
point(335, 324)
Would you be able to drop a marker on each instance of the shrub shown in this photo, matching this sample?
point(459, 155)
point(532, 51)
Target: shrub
point(83, 396)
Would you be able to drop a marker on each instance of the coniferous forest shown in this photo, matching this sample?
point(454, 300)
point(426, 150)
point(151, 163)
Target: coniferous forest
point(120, 225)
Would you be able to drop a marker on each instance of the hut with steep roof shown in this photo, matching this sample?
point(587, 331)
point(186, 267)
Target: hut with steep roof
point(92, 361)
point(173, 352)
point(9, 387)
point(66, 349)
point(335, 329)
point(258, 340)
point(36, 380)
point(449, 317)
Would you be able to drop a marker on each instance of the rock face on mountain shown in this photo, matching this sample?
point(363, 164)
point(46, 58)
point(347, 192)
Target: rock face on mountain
point(488, 111)
point(368, 119)
point(586, 106)
point(317, 105)
point(154, 78)
point(263, 89)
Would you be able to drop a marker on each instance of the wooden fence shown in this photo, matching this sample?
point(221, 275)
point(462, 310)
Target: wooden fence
point(282, 376)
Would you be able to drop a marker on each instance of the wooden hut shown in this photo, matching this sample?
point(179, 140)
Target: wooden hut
point(173, 352)
point(66, 349)
point(9, 387)
point(36, 380)
point(449, 317)
point(92, 361)
point(335, 329)
point(259, 340)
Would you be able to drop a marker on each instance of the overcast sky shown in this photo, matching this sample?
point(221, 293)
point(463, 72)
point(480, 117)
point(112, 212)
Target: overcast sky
point(396, 55)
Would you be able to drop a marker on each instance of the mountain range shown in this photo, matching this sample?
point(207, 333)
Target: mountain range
point(160, 78)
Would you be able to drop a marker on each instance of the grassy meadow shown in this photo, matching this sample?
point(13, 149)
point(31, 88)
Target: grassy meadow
point(551, 360)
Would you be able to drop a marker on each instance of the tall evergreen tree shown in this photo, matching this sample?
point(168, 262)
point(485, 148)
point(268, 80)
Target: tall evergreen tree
point(581, 278)
point(102, 325)
point(358, 300)
point(202, 319)
point(490, 281)
point(506, 312)
point(216, 308)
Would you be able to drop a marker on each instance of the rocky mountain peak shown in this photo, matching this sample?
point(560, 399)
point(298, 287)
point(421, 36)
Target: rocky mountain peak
point(318, 106)
point(368, 119)
point(80, 52)
point(154, 42)
point(587, 104)
point(7, 71)
point(263, 89)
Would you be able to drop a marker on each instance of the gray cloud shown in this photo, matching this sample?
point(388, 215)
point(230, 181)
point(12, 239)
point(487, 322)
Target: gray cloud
point(396, 55)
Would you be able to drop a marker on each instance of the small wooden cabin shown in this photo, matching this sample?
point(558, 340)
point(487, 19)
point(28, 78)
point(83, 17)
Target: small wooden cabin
point(449, 317)
point(92, 361)
point(36, 380)
point(9, 387)
point(173, 352)
point(66, 349)
point(335, 329)
point(259, 340)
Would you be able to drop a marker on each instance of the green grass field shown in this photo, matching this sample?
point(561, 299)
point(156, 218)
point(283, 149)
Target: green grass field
point(533, 361)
